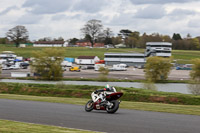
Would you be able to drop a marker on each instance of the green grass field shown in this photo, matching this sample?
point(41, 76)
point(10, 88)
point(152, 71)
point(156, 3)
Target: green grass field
point(182, 56)
point(21, 127)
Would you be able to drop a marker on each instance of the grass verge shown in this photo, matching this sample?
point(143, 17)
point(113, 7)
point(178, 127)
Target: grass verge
point(21, 127)
point(105, 80)
point(157, 107)
point(84, 91)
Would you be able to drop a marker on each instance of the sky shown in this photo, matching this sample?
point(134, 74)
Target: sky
point(65, 18)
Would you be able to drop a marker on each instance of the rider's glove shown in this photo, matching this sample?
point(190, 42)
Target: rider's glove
point(96, 92)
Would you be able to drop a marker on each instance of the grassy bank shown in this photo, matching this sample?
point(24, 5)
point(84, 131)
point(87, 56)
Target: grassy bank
point(157, 107)
point(73, 52)
point(106, 80)
point(21, 127)
point(182, 56)
point(84, 91)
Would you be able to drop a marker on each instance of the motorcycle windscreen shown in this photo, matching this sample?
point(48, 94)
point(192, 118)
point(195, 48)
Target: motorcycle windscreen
point(114, 96)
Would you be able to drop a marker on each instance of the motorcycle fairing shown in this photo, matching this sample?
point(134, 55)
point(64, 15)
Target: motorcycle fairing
point(114, 96)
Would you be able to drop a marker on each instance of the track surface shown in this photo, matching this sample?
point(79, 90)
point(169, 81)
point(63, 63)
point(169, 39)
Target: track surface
point(74, 116)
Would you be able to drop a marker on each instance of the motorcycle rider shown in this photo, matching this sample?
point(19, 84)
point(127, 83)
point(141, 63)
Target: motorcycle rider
point(101, 93)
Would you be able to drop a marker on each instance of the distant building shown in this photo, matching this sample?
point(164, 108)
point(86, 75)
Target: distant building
point(162, 49)
point(50, 44)
point(84, 43)
point(120, 46)
point(22, 45)
point(129, 59)
point(87, 60)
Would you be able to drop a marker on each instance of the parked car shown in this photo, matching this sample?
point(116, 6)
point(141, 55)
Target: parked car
point(24, 65)
point(87, 67)
point(118, 67)
point(183, 68)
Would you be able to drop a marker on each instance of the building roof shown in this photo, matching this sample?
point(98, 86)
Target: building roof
point(49, 42)
point(81, 41)
point(158, 43)
point(124, 54)
point(86, 57)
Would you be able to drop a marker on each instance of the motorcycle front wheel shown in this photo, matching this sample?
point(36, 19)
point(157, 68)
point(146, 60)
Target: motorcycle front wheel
point(89, 106)
point(112, 109)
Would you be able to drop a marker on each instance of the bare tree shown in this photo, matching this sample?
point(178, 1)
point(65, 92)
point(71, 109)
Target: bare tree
point(92, 29)
point(108, 34)
point(17, 34)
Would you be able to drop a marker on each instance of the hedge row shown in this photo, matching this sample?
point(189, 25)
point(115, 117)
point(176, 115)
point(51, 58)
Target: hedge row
point(84, 91)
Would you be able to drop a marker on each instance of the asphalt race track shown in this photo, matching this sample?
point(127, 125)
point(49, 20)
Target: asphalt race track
point(74, 116)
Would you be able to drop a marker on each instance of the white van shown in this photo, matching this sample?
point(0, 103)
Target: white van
point(97, 66)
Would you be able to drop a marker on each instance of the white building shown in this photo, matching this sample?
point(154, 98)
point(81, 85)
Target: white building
point(50, 44)
point(7, 56)
point(87, 60)
point(129, 59)
point(162, 49)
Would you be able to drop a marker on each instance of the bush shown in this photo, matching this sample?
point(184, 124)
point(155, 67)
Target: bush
point(47, 63)
point(103, 73)
point(195, 72)
point(157, 68)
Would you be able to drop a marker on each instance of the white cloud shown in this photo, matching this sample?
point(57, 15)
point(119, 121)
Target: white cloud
point(47, 6)
point(194, 23)
point(7, 10)
point(89, 6)
point(159, 1)
point(182, 12)
point(151, 12)
point(29, 19)
point(65, 18)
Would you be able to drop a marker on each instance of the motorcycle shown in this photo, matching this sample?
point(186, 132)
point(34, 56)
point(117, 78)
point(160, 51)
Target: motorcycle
point(104, 101)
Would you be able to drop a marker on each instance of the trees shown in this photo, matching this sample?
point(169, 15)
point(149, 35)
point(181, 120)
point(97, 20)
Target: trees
point(116, 40)
point(92, 29)
point(176, 36)
point(3, 40)
point(0, 69)
point(73, 41)
point(58, 39)
point(195, 77)
point(17, 35)
point(195, 72)
point(124, 33)
point(47, 63)
point(107, 35)
point(195, 43)
point(157, 68)
point(132, 39)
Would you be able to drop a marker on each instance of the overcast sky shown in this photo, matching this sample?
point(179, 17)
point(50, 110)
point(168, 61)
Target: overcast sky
point(55, 18)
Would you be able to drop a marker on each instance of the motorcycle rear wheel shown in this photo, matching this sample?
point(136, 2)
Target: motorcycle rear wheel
point(114, 108)
point(89, 106)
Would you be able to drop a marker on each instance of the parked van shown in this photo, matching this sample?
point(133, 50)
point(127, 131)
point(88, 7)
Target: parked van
point(119, 67)
point(74, 69)
point(97, 66)
point(66, 64)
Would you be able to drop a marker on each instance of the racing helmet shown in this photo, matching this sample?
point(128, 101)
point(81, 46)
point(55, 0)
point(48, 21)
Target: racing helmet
point(107, 86)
